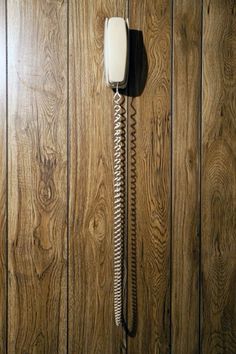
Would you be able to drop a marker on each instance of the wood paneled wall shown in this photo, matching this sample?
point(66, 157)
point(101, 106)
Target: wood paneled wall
point(218, 207)
point(186, 130)
point(153, 199)
point(3, 181)
point(56, 198)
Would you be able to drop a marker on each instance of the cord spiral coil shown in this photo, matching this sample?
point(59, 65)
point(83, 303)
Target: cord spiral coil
point(119, 203)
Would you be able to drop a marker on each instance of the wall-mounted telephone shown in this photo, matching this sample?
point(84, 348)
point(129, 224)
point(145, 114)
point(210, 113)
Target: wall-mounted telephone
point(116, 52)
point(116, 74)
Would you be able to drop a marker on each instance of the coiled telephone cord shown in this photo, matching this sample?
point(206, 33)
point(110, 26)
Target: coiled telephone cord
point(119, 203)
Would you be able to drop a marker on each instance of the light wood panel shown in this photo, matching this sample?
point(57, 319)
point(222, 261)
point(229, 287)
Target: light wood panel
point(219, 178)
point(3, 178)
point(37, 81)
point(186, 175)
point(91, 319)
point(153, 132)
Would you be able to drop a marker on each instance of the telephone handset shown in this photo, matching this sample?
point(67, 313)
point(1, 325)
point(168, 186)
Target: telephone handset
point(116, 52)
point(116, 74)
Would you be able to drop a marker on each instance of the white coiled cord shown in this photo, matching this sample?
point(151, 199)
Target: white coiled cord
point(119, 203)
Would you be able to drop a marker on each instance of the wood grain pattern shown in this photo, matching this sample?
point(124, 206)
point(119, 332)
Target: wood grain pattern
point(185, 175)
point(153, 126)
point(219, 178)
point(37, 192)
point(3, 178)
point(59, 280)
point(91, 319)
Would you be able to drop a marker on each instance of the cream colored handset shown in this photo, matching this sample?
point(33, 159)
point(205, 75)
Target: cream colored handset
point(116, 74)
point(116, 51)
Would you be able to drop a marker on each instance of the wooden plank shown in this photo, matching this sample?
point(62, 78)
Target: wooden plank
point(37, 57)
point(91, 320)
point(3, 178)
point(151, 110)
point(219, 178)
point(185, 175)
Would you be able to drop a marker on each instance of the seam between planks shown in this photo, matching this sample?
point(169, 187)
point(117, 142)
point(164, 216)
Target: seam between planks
point(200, 184)
point(6, 202)
point(68, 178)
point(171, 162)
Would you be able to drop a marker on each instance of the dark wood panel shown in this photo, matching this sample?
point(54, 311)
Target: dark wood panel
point(91, 319)
point(219, 178)
point(185, 175)
point(37, 68)
point(3, 178)
point(151, 110)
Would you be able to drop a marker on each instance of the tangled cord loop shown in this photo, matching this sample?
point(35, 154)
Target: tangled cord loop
point(119, 203)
